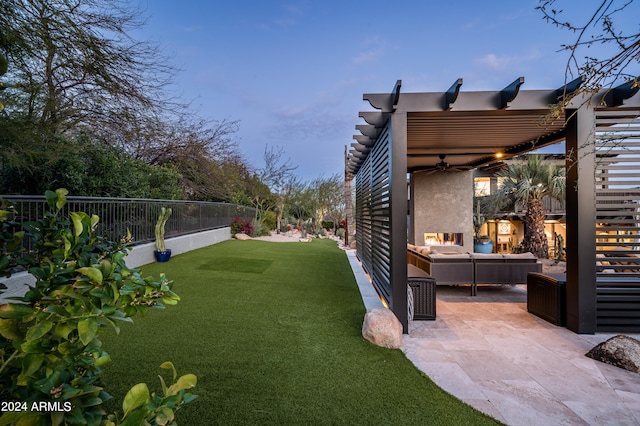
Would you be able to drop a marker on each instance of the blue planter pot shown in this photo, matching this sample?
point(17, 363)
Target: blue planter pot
point(483, 246)
point(162, 256)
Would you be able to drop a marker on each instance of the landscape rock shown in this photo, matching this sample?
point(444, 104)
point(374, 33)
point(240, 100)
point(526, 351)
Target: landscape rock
point(621, 351)
point(382, 328)
point(241, 236)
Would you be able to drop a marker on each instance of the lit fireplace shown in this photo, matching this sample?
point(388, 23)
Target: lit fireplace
point(443, 239)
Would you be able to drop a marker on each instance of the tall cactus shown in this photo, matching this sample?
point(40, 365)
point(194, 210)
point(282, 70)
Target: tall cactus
point(561, 252)
point(162, 220)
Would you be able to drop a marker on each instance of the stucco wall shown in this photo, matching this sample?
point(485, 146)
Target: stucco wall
point(443, 202)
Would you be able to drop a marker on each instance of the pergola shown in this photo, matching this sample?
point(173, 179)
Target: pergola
point(458, 130)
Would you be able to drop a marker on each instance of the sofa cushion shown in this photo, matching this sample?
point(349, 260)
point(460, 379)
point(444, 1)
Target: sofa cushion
point(456, 256)
point(521, 257)
point(488, 256)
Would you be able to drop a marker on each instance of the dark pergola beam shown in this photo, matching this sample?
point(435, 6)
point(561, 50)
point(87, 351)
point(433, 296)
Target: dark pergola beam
point(569, 88)
point(451, 95)
point(396, 95)
point(617, 95)
point(509, 93)
point(385, 102)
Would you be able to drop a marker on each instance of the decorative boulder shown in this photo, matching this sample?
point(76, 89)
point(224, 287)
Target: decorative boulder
point(382, 328)
point(241, 236)
point(621, 351)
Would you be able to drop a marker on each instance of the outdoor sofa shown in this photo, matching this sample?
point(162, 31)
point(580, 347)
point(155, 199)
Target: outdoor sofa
point(473, 268)
point(496, 268)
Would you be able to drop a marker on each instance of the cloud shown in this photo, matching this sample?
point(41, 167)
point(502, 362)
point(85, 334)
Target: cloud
point(373, 49)
point(289, 16)
point(366, 57)
point(304, 121)
point(493, 62)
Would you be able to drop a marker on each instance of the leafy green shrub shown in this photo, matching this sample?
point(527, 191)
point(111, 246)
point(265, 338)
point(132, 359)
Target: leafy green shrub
point(86, 166)
point(328, 224)
point(268, 220)
point(141, 408)
point(50, 351)
point(240, 225)
point(340, 232)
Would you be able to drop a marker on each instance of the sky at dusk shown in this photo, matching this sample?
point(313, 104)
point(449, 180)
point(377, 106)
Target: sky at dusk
point(293, 72)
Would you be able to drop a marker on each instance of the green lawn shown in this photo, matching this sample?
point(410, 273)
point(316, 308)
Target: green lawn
point(273, 332)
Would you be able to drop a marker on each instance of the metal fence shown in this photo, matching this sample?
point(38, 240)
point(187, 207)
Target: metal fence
point(139, 216)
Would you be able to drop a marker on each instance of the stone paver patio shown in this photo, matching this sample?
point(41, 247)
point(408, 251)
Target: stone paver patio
point(491, 353)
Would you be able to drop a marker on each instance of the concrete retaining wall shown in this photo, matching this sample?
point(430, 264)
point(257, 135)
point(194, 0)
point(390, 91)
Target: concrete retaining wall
point(138, 256)
point(143, 254)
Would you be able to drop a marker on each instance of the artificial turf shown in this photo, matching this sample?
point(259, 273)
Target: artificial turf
point(273, 333)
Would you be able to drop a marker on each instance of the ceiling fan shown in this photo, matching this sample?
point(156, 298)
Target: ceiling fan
point(443, 166)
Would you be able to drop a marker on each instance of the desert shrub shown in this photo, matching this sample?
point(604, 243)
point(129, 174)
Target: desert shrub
point(268, 220)
point(259, 230)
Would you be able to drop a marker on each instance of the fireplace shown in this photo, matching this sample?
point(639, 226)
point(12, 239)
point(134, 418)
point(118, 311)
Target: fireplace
point(443, 239)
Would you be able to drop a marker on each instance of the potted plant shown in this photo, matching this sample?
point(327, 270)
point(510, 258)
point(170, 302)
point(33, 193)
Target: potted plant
point(162, 253)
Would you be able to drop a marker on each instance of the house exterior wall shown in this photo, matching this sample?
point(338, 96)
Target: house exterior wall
point(443, 202)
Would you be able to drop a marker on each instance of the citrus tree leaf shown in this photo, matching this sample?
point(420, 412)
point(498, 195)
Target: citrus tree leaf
point(39, 330)
point(87, 329)
point(94, 274)
point(184, 382)
point(77, 223)
point(136, 397)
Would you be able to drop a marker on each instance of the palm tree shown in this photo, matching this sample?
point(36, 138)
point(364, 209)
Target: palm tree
point(528, 182)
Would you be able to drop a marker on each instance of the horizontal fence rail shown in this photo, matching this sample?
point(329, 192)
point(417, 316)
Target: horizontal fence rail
point(139, 216)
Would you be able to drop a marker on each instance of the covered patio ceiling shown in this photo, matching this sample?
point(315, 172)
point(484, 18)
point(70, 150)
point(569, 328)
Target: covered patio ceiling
point(456, 130)
point(471, 139)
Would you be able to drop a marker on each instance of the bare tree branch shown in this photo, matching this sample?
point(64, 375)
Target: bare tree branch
point(604, 27)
